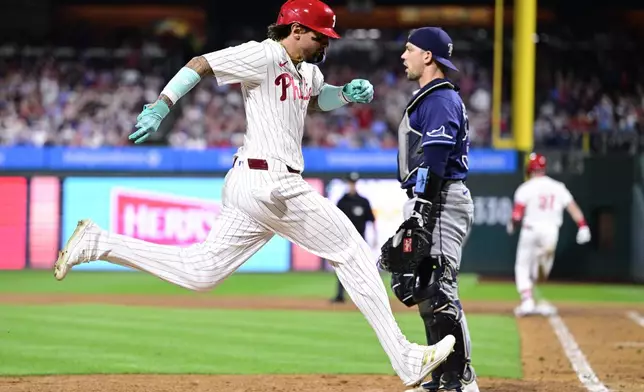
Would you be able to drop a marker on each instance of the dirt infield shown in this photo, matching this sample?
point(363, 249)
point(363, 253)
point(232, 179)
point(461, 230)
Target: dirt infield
point(612, 343)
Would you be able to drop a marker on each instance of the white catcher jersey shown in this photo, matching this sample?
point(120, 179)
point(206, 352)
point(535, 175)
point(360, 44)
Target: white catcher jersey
point(544, 200)
point(276, 97)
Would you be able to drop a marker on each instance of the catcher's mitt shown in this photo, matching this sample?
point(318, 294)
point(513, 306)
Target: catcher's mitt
point(404, 252)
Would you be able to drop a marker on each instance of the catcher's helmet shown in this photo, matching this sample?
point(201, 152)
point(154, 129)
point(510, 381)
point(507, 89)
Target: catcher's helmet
point(536, 162)
point(313, 14)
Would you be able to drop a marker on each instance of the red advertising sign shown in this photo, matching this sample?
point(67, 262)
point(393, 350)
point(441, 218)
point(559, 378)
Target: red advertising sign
point(13, 222)
point(162, 218)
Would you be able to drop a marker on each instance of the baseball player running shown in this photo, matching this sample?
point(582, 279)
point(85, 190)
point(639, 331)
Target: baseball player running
point(433, 146)
point(264, 193)
point(540, 202)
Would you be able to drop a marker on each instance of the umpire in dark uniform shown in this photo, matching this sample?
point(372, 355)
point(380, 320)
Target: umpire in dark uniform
point(358, 210)
point(433, 150)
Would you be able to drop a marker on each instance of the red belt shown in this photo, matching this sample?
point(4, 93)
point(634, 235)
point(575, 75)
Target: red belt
point(261, 164)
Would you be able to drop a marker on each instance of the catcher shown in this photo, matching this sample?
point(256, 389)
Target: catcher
point(424, 255)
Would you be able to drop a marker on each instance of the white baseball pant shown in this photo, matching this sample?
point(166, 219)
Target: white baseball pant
point(535, 250)
point(258, 204)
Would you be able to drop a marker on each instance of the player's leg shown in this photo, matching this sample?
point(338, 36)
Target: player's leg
point(545, 256)
point(234, 238)
point(548, 238)
point(299, 213)
point(442, 312)
point(525, 271)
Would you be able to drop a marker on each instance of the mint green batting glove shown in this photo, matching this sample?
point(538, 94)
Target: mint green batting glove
point(149, 120)
point(359, 91)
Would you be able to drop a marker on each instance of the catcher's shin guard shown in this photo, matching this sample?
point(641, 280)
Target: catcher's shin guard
point(443, 316)
point(457, 367)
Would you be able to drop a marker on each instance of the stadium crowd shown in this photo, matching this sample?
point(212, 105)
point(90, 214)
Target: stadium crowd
point(91, 97)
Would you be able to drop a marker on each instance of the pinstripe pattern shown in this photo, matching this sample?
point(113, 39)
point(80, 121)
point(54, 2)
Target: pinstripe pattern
point(258, 204)
point(274, 126)
point(286, 204)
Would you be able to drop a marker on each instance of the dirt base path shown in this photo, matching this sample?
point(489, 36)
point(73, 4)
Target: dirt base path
point(255, 383)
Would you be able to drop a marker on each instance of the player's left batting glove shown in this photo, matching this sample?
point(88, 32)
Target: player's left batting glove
point(583, 235)
point(149, 120)
point(359, 91)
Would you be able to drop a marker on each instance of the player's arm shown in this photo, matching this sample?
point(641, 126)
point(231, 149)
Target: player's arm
point(326, 97)
point(517, 215)
point(583, 232)
point(187, 78)
point(314, 105)
point(520, 201)
point(245, 63)
point(576, 214)
point(153, 114)
point(440, 121)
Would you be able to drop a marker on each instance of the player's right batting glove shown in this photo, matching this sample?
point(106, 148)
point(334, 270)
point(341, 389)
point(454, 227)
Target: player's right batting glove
point(358, 90)
point(149, 120)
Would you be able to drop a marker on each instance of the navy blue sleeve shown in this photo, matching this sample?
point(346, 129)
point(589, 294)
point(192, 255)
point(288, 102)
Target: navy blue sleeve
point(440, 125)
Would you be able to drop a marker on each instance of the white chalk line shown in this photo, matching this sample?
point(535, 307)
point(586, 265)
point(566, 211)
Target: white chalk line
point(576, 357)
point(636, 317)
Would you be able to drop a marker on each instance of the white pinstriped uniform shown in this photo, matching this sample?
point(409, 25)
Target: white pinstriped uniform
point(276, 96)
point(545, 200)
point(260, 203)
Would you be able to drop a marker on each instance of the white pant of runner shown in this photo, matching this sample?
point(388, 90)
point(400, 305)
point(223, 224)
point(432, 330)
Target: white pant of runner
point(257, 204)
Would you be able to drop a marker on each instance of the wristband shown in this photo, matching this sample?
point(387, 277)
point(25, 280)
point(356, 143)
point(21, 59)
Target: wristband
point(331, 97)
point(180, 84)
point(581, 223)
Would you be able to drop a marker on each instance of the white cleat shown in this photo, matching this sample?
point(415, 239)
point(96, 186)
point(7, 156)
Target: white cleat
point(73, 253)
point(433, 357)
point(527, 308)
point(545, 309)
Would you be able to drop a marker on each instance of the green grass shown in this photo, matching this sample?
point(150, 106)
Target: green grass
point(77, 339)
point(88, 339)
point(311, 285)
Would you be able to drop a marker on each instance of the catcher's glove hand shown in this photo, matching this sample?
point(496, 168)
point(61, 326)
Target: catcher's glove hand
point(403, 253)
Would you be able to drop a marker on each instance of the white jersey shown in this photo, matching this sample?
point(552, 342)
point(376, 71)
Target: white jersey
point(276, 97)
point(544, 200)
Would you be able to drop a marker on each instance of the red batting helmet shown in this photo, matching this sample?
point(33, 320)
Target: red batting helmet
point(536, 162)
point(313, 14)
